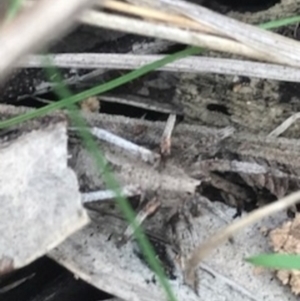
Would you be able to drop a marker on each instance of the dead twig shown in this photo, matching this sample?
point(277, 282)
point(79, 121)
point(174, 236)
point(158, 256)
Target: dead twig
point(105, 195)
point(165, 144)
point(139, 151)
point(285, 125)
point(223, 235)
point(145, 212)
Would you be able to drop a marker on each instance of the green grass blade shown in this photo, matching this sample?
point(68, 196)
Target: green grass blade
point(100, 89)
point(14, 7)
point(276, 261)
point(111, 182)
point(280, 23)
point(128, 212)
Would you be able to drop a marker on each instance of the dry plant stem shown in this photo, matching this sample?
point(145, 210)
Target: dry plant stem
point(223, 235)
point(236, 166)
point(173, 34)
point(137, 48)
point(15, 284)
point(149, 209)
point(136, 102)
point(154, 14)
point(227, 280)
point(32, 30)
point(139, 151)
point(165, 144)
point(285, 125)
point(154, 4)
point(280, 49)
point(189, 64)
point(105, 195)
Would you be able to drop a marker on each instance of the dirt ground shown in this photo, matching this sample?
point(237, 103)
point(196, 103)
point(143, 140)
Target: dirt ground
point(252, 106)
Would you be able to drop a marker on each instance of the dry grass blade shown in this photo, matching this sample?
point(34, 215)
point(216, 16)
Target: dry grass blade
point(105, 195)
point(161, 31)
point(223, 235)
point(189, 64)
point(279, 48)
point(49, 15)
point(150, 13)
point(285, 125)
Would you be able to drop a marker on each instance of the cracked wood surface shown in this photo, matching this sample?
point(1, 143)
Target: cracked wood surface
point(96, 259)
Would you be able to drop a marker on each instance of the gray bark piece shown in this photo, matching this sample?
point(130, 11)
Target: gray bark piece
point(224, 276)
point(116, 271)
point(39, 195)
point(95, 258)
point(235, 279)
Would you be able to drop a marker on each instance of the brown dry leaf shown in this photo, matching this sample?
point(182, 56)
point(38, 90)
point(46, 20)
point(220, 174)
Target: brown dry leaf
point(286, 239)
point(91, 104)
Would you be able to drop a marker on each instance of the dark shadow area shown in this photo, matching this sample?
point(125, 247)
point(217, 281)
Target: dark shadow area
point(244, 5)
point(45, 280)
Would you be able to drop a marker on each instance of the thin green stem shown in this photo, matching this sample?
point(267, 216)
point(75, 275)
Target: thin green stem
point(280, 23)
point(14, 7)
point(111, 182)
point(100, 89)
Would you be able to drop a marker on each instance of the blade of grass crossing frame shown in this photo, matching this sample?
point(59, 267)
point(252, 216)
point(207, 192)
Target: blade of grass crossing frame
point(279, 23)
point(111, 183)
point(69, 101)
point(100, 89)
point(14, 7)
point(126, 78)
point(276, 261)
